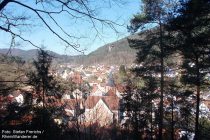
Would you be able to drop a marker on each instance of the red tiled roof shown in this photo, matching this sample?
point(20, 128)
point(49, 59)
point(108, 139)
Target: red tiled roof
point(111, 92)
point(72, 103)
point(77, 78)
point(207, 103)
point(91, 101)
point(23, 119)
point(121, 88)
point(69, 114)
point(27, 118)
point(95, 88)
point(112, 102)
point(16, 93)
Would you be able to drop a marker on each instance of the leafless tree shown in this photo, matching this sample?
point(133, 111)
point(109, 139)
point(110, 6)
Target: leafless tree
point(15, 21)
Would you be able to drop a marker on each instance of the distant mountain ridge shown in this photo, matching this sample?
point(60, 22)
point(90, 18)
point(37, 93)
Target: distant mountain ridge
point(24, 54)
point(115, 53)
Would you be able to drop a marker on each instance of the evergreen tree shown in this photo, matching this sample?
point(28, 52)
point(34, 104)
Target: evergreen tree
point(191, 29)
point(204, 126)
point(139, 107)
point(178, 110)
point(122, 74)
point(45, 85)
point(41, 79)
point(152, 45)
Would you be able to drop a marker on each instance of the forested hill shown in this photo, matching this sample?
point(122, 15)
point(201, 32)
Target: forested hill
point(115, 53)
point(24, 54)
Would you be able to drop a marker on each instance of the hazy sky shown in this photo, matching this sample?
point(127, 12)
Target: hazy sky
point(90, 40)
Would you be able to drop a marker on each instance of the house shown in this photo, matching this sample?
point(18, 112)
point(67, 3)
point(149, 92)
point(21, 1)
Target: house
point(204, 110)
point(206, 101)
point(97, 90)
point(110, 82)
point(66, 96)
point(37, 103)
point(120, 90)
point(100, 113)
point(111, 92)
point(171, 73)
point(77, 94)
point(113, 103)
point(103, 110)
point(100, 79)
point(10, 98)
point(73, 107)
point(64, 74)
point(100, 76)
point(52, 101)
point(58, 121)
point(87, 73)
point(102, 87)
point(18, 97)
point(77, 78)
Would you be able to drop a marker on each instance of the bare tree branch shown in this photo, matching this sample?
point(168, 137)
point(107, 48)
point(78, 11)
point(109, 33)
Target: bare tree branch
point(77, 9)
point(4, 3)
point(48, 26)
point(9, 31)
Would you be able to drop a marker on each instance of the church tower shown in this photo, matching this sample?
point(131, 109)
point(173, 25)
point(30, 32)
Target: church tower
point(110, 85)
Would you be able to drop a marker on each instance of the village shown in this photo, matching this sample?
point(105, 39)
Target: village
point(101, 102)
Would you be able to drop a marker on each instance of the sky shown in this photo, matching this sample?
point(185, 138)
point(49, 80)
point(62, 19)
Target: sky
point(89, 38)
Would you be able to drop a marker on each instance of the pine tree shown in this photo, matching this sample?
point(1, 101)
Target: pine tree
point(40, 78)
point(139, 107)
point(152, 45)
point(122, 74)
point(191, 27)
point(45, 85)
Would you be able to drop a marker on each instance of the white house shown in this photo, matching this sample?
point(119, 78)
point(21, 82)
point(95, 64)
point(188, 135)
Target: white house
point(97, 90)
point(100, 114)
point(66, 96)
point(103, 110)
point(64, 75)
point(17, 95)
point(204, 110)
point(77, 94)
point(19, 99)
point(72, 106)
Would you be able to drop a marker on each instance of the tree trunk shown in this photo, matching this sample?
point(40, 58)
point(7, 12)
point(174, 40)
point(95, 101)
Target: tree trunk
point(151, 125)
point(161, 83)
point(172, 120)
point(197, 99)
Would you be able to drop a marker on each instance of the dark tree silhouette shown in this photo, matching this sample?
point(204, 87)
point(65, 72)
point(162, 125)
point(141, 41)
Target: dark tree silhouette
point(154, 13)
point(191, 29)
point(204, 126)
point(139, 108)
point(41, 79)
point(123, 77)
point(45, 87)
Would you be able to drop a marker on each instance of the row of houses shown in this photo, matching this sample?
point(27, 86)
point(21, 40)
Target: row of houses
point(101, 105)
